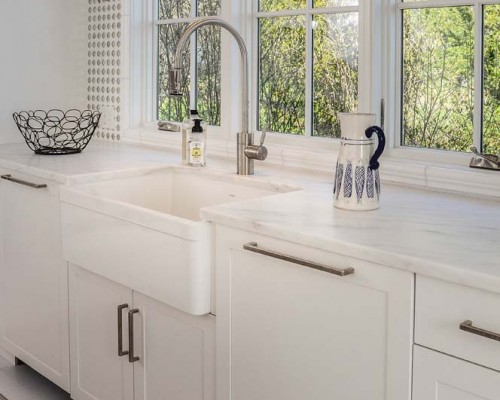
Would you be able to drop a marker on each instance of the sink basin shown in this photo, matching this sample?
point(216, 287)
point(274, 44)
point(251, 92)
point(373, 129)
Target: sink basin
point(182, 192)
point(144, 230)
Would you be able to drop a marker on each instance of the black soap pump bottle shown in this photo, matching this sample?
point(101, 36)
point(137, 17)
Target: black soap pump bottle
point(196, 145)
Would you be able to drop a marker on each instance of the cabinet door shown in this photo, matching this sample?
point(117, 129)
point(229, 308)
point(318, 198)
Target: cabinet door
point(33, 284)
point(441, 377)
point(288, 332)
point(176, 353)
point(97, 371)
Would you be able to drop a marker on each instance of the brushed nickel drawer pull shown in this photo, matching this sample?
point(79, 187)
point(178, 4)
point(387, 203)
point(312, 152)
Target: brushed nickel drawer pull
point(253, 247)
point(25, 183)
point(131, 356)
point(468, 327)
point(121, 352)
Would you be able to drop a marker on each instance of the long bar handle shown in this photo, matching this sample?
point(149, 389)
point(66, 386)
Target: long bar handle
point(25, 183)
point(254, 247)
point(468, 327)
point(121, 352)
point(131, 357)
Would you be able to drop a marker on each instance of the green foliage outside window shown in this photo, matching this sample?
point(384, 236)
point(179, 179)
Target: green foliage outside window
point(208, 57)
point(437, 82)
point(283, 66)
point(438, 78)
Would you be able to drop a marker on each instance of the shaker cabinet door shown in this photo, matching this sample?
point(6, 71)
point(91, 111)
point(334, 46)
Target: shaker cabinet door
point(441, 377)
point(289, 332)
point(176, 353)
point(33, 276)
point(97, 371)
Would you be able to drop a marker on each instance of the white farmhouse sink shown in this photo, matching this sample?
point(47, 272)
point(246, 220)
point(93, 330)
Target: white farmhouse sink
point(145, 231)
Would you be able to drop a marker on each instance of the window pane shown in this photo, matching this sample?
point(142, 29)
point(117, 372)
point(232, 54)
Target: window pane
point(278, 5)
point(335, 3)
point(208, 7)
point(282, 71)
point(491, 108)
point(172, 9)
point(208, 71)
point(438, 78)
point(171, 108)
point(335, 70)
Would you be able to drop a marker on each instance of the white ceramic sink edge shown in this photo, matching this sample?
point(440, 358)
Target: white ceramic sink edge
point(162, 222)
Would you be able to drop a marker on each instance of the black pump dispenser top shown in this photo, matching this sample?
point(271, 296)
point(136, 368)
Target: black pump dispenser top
point(197, 126)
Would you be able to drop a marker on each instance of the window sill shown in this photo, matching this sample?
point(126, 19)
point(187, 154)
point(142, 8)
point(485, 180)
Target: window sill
point(396, 166)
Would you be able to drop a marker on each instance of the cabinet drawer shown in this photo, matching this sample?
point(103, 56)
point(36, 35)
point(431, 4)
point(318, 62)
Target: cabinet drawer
point(437, 376)
point(442, 307)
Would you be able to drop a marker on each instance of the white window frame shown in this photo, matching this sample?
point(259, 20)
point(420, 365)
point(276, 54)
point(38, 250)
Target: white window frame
point(379, 57)
point(143, 52)
point(157, 23)
point(392, 91)
point(369, 63)
point(425, 167)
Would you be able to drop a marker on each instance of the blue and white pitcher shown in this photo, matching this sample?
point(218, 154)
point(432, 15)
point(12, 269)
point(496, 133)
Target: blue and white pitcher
point(357, 178)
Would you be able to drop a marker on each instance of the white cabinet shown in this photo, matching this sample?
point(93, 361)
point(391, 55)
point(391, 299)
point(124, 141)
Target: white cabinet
point(177, 356)
point(175, 350)
point(33, 284)
point(463, 322)
point(289, 332)
point(97, 372)
point(441, 312)
point(441, 377)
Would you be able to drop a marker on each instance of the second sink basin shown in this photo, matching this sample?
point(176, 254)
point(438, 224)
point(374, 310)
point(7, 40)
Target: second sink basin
point(144, 230)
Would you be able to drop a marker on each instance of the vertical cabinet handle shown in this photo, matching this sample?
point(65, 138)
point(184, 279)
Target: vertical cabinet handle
point(131, 357)
point(120, 330)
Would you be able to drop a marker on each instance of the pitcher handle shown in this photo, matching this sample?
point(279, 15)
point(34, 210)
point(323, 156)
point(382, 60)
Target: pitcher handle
point(374, 164)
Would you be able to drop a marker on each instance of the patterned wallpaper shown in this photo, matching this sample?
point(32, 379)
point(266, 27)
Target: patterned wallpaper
point(104, 65)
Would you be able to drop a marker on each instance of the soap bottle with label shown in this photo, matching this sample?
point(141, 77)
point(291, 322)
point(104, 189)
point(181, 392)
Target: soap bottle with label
point(197, 145)
point(186, 129)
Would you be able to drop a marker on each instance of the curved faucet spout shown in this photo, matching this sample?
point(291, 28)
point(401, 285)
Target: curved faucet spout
point(175, 74)
point(247, 152)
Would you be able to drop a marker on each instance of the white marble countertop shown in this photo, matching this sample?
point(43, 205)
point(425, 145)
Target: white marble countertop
point(99, 157)
point(446, 236)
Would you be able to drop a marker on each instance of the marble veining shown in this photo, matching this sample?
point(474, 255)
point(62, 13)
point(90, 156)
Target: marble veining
point(98, 158)
point(442, 235)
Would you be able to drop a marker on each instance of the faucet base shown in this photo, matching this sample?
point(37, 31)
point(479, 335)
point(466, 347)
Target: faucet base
point(245, 165)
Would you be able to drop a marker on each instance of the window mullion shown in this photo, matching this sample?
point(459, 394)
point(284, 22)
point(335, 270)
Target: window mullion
point(193, 70)
point(309, 70)
point(478, 75)
point(397, 41)
point(366, 63)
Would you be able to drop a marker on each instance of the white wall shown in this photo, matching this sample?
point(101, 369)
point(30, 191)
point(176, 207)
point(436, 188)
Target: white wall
point(43, 50)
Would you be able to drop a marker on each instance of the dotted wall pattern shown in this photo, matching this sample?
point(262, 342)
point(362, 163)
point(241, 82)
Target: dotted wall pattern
point(104, 65)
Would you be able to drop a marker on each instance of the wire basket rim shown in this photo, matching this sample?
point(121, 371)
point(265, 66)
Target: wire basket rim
point(57, 132)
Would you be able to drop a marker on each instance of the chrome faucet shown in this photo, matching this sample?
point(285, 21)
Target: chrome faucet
point(247, 151)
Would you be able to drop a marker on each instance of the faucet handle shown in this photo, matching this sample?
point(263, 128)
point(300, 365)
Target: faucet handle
point(259, 152)
point(263, 137)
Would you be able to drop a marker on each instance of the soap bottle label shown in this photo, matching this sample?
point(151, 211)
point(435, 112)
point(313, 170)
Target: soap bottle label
point(196, 153)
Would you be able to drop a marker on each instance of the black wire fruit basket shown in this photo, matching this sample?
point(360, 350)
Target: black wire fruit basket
point(57, 132)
